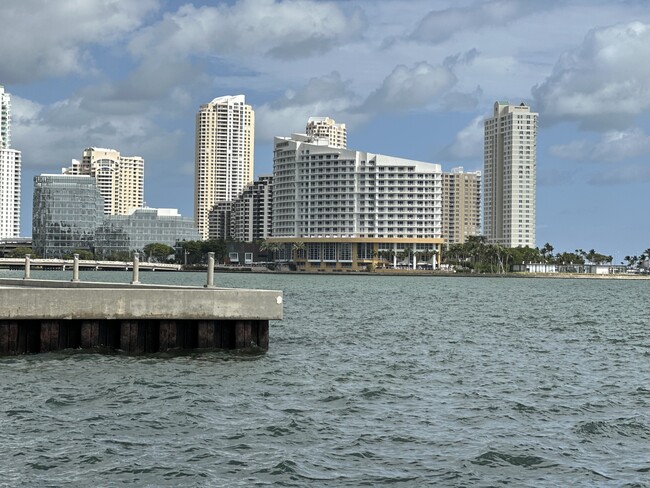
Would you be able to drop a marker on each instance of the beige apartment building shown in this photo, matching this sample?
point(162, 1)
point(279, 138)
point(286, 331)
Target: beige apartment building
point(224, 155)
point(510, 169)
point(461, 205)
point(120, 179)
point(326, 128)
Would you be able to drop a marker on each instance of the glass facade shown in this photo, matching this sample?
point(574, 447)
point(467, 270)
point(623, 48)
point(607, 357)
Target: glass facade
point(67, 210)
point(144, 226)
point(68, 215)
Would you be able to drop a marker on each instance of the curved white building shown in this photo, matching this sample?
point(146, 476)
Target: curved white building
point(345, 200)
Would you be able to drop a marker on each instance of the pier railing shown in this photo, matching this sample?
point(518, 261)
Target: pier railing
point(49, 315)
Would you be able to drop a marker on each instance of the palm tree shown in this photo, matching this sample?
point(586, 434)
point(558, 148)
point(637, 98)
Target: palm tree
point(298, 248)
point(270, 248)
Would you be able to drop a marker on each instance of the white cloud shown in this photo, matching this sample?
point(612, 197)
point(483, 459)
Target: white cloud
point(604, 83)
point(328, 95)
point(281, 29)
point(468, 143)
point(613, 146)
point(410, 88)
point(402, 90)
point(40, 39)
point(49, 136)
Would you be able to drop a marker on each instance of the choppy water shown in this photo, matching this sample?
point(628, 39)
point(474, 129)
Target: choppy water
point(369, 381)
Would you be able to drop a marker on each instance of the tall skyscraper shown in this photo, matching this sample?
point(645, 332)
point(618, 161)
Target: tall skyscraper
point(461, 205)
point(5, 118)
point(224, 154)
point(120, 179)
point(10, 168)
point(324, 127)
point(510, 170)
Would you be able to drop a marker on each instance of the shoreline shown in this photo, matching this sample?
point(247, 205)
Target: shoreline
point(442, 274)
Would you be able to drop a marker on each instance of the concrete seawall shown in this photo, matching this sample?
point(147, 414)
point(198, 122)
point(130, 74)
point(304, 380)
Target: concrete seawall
point(41, 316)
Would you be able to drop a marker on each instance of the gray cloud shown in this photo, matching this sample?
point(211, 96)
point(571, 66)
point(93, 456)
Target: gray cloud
point(440, 25)
point(286, 29)
point(41, 39)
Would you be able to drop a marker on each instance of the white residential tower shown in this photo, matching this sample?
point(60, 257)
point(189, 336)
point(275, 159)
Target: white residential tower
point(224, 155)
point(510, 167)
point(10, 168)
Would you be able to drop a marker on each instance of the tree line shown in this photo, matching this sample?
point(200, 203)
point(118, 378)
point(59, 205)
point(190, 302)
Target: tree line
point(185, 252)
point(482, 257)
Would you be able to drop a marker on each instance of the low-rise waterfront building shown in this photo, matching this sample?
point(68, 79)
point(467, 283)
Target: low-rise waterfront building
point(143, 226)
point(68, 215)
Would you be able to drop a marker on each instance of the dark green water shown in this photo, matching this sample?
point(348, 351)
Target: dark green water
point(369, 381)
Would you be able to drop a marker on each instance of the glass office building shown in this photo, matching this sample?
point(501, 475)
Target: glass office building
point(67, 211)
point(68, 215)
point(141, 227)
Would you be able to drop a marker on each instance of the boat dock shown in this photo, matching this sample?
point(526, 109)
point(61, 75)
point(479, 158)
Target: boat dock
point(43, 315)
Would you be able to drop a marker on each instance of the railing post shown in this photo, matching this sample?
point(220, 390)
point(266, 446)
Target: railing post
point(136, 269)
point(27, 266)
point(210, 283)
point(75, 268)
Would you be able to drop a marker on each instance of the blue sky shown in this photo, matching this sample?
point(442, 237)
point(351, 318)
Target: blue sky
point(410, 78)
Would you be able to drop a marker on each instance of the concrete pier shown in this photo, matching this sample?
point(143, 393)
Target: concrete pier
point(42, 316)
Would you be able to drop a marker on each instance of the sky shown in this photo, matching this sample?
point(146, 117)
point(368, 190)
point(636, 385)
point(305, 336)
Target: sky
point(409, 78)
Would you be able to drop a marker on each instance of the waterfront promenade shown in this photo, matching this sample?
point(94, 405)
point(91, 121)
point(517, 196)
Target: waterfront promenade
point(96, 265)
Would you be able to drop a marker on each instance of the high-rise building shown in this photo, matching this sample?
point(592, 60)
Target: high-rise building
point(10, 169)
point(5, 119)
point(350, 207)
point(324, 127)
point(10, 165)
point(220, 221)
point(510, 167)
point(461, 205)
point(252, 212)
point(120, 179)
point(224, 154)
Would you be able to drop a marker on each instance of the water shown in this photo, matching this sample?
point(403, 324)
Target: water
point(369, 381)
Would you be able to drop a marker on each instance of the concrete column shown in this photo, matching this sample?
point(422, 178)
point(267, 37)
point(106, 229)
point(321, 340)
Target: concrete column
point(415, 256)
point(75, 268)
point(210, 283)
point(27, 266)
point(136, 269)
point(394, 255)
